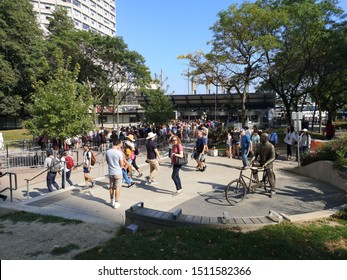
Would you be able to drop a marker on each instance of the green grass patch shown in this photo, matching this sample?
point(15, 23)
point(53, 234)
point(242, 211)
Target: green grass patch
point(16, 134)
point(64, 250)
point(318, 240)
point(32, 217)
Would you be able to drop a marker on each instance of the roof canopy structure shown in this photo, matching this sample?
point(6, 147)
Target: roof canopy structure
point(225, 101)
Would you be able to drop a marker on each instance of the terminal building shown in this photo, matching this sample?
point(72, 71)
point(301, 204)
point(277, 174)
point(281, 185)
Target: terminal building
point(225, 108)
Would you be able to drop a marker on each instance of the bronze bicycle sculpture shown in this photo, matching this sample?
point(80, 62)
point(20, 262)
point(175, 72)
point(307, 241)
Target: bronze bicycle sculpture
point(236, 190)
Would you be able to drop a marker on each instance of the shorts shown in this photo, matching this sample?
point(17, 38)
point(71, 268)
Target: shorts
point(235, 142)
point(116, 181)
point(85, 170)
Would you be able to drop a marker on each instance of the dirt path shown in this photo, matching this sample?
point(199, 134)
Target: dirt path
point(36, 240)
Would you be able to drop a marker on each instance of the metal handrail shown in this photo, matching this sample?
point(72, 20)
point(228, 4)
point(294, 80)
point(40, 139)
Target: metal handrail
point(11, 187)
point(28, 180)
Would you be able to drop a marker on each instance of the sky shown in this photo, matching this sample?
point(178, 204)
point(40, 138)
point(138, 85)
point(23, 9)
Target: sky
point(161, 30)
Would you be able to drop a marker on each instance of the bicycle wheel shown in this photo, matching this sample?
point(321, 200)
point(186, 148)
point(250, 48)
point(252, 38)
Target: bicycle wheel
point(235, 192)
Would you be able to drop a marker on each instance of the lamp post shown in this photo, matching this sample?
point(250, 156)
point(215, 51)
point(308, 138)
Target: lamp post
point(118, 114)
point(215, 104)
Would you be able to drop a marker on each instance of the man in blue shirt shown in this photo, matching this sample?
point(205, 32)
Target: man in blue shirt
point(273, 138)
point(245, 147)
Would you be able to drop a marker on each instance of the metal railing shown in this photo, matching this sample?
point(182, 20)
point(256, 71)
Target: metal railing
point(11, 187)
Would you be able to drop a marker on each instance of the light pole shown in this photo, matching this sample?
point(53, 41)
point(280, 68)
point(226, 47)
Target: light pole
point(215, 104)
point(118, 114)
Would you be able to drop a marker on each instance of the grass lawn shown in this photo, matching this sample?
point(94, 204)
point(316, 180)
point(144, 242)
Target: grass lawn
point(325, 239)
point(319, 240)
point(16, 134)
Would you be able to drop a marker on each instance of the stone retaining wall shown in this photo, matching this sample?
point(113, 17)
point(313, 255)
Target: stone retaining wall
point(324, 171)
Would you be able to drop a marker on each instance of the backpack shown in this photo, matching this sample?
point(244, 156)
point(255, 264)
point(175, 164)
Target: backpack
point(55, 165)
point(69, 162)
point(92, 159)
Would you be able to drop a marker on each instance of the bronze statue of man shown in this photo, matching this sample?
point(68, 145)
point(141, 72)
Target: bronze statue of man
point(265, 155)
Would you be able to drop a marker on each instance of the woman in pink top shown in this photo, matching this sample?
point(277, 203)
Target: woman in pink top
point(177, 151)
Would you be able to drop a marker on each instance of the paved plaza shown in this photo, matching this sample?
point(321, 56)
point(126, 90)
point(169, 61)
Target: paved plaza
point(203, 194)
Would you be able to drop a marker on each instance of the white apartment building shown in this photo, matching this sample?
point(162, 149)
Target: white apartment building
point(93, 15)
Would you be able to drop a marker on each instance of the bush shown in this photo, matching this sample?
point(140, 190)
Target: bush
point(334, 150)
point(216, 136)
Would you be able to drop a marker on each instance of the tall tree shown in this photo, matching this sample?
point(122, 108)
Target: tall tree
point(328, 71)
point(59, 107)
point(125, 70)
point(19, 36)
point(242, 35)
point(287, 69)
point(159, 109)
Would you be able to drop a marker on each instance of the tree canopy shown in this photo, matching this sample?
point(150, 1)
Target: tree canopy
point(33, 68)
point(276, 46)
point(59, 108)
point(160, 109)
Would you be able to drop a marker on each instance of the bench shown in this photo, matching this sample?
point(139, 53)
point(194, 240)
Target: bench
point(140, 217)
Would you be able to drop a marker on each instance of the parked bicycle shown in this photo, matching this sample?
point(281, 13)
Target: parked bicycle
point(236, 190)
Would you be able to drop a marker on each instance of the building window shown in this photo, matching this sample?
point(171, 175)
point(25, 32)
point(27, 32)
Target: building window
point(76, 3)
point(85, 26)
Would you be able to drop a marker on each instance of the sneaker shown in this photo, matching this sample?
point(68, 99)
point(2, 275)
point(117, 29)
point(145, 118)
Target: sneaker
point(85, 187)
point(93, 184)
point(140, 175)
point(112, 203)
point(131, 185)
point(179, 192)
point(246, 167)
point(272, 193)
point(154, 182)
point(116, 205)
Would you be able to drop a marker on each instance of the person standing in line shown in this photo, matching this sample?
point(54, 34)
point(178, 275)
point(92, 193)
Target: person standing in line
point(177, 151)
point(289, 139)
point(273, 138)
point(87, 156)
point(245, 148)
point(304, 142)
point(255, 139)
point(236, 143)
point(228, 145)
point(114, 159)
point(153, 158)
point(329, 130)
point(51, 173)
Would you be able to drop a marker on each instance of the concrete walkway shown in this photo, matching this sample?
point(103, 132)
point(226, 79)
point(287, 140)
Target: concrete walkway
point(298, 197)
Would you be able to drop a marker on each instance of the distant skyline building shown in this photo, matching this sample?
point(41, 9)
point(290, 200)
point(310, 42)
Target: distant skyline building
point(94, 15)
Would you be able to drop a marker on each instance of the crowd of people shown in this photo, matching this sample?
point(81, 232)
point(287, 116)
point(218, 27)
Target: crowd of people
point(253, 146)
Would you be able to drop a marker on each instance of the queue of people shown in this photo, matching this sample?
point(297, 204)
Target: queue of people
point(247, 144)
